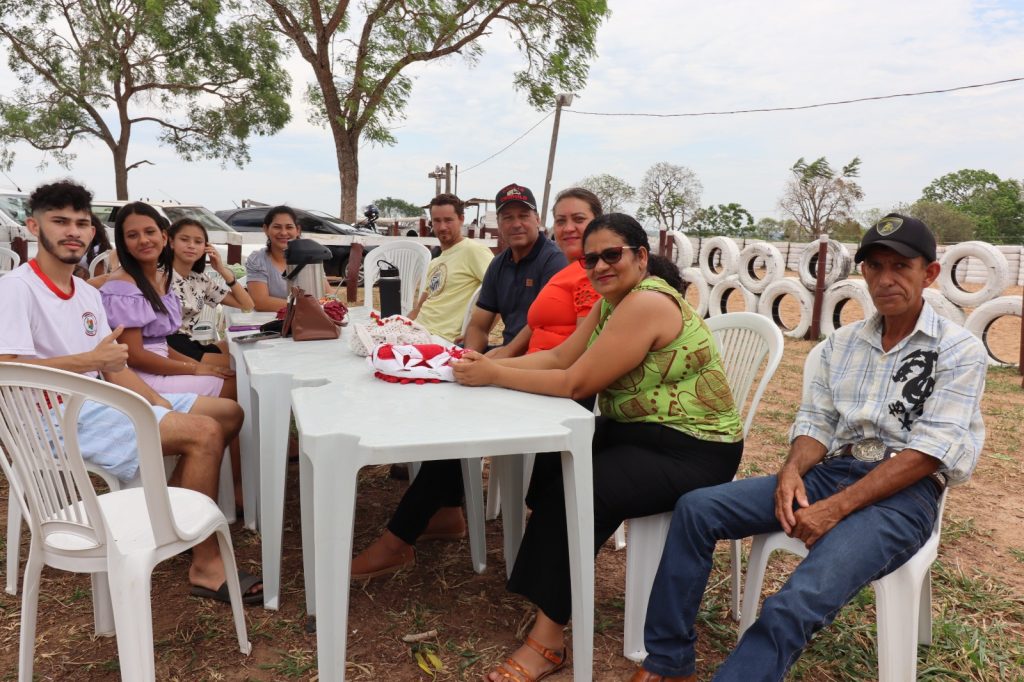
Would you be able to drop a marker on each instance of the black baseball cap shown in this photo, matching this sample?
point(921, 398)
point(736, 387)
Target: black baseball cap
point(905, 235)
point(510, 194)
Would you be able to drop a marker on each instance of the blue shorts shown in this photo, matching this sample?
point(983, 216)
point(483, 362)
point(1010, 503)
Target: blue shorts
point(106, 436)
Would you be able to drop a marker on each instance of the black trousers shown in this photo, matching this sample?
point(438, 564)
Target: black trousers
point(639, 470)
point(438, 484)
point(184, 344)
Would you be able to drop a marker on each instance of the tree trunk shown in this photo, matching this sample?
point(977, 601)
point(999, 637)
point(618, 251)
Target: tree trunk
point(121, 172)
point(120, 149)
point(346, 145)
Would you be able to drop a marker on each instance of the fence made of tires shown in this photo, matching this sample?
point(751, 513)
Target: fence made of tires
point(731, 275)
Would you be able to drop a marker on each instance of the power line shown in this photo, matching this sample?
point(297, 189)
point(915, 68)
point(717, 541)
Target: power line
point(475, 165)
point(803, 106)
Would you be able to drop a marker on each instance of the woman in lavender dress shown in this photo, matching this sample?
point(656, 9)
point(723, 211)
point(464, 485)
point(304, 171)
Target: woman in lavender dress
point(138, 297)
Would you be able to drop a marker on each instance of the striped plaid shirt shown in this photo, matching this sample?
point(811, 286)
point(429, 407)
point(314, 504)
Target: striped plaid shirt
point(924, 393)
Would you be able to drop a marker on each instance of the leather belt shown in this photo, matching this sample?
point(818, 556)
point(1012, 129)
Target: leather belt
point(874, 450)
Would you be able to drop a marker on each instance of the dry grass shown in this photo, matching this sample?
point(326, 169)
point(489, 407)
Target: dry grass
point(977, 604)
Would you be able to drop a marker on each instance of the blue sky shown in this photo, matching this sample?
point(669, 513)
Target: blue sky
point(660, 56)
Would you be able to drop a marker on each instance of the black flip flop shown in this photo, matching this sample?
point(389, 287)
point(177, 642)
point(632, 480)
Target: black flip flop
point(246, 581)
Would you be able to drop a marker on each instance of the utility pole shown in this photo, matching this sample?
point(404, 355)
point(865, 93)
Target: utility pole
point(562, 100)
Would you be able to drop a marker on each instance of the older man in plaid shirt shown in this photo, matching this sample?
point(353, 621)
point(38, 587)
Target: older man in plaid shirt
point(892, 417)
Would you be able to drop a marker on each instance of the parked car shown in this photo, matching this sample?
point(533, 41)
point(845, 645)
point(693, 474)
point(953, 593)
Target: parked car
point(312, 222)
point(107, 212)
point(14, 205)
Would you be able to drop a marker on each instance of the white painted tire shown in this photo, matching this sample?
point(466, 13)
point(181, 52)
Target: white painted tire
point(837, 296)
point(945, 307)
point(719, 299)
point(694, 278)
point(682, 250)
point(750, 256)
point(838, 264)
point(728, 256)
point(997, 273)
point(768, 305)
point(979, 321)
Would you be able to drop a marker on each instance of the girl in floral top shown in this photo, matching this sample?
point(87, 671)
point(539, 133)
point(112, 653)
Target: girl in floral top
point(190, 245)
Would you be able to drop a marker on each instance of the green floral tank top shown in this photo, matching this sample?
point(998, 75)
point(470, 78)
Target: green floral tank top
point(682, 385)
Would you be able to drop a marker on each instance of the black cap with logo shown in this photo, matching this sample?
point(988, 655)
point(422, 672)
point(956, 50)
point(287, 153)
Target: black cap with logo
point(514, 193)
point(905, 235)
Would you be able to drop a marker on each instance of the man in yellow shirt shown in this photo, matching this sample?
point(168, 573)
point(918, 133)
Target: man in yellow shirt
point(454, 275)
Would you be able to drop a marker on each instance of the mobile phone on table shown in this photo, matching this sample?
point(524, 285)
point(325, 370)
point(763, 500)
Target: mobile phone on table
point(258, 336)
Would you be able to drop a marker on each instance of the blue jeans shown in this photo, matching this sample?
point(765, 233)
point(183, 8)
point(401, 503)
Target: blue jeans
point(863, 547)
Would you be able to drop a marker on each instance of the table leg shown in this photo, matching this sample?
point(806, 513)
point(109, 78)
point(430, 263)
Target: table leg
point(274, 405)
point(577, 472)
point(509, 470)
point(247, 442)
point(308, 528)
point(472, 484)
point(334, 494)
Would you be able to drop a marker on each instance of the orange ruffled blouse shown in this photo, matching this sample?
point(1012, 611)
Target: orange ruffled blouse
point(566, 297)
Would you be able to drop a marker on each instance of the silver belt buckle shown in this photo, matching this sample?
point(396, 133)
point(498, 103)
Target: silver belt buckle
point(868, 450)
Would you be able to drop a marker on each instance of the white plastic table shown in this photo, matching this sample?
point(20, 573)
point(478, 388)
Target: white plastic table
point(271, 369)
point(247, 436)
point(357, 420)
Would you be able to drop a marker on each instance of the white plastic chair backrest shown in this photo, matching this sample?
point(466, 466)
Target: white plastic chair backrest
point(469, 309)
point(411, 258)
point(746, 341)
point(44, 463)
point(8, 259)
point(812, 365)
point(102, 259)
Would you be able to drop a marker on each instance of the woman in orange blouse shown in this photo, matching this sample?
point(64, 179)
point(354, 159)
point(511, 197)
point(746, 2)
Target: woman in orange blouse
point(568, 296)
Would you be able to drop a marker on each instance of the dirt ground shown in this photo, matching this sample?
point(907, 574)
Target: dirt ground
point(477, 622)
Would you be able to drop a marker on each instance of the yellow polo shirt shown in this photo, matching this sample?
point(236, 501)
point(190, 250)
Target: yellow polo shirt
point(451, 280)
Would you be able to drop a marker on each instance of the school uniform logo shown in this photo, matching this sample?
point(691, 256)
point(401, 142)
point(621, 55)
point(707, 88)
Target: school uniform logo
point(90, 324)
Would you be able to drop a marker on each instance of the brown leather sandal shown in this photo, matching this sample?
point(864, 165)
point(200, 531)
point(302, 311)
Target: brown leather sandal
point(512, 671)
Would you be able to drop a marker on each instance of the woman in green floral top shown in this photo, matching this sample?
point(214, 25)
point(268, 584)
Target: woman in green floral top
point(668, 424)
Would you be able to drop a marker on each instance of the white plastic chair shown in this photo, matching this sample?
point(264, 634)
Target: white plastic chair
point(411, 258)
point(14, 518)
point(102, 259)
point(903, 599)
point(8, 259)
point(469, 310)
point(746, 342)
point(118, 537)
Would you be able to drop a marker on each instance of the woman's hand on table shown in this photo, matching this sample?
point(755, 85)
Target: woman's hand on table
point(474, 369)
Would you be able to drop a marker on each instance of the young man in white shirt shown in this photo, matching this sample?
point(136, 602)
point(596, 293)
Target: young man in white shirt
point(54, 319)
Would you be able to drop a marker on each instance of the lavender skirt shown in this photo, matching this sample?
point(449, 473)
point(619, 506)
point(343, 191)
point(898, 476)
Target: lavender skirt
point(179, 383)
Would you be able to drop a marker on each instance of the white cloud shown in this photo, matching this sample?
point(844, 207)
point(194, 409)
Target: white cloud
point(667, 56)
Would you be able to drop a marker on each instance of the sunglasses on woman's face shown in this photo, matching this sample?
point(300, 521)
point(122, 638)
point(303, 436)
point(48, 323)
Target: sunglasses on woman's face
point(611, 256)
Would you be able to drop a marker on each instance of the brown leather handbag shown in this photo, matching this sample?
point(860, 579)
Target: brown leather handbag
point(305, 319)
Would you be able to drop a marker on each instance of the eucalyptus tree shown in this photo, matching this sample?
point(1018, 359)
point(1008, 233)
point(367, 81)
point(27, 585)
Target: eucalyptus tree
point(360, 54)
point(820, 198)
point(205, 76)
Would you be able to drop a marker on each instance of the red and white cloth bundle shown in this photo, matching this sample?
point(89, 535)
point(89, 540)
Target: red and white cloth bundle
point(414, 363)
